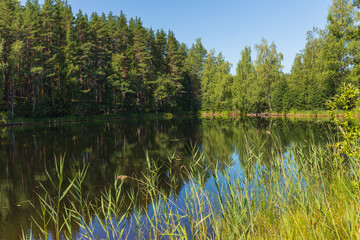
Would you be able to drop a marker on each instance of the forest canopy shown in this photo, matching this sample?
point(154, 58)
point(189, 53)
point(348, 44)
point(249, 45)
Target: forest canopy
point(56, 63)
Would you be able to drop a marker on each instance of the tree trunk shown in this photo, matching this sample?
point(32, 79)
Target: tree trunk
point(269, 100)
point(12, 101)
point(268, 96)
point(34, 99)
point(115, 102)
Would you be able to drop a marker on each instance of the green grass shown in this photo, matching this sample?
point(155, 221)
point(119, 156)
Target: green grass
point(302, 194)
point(291, 113)
point(317, 112)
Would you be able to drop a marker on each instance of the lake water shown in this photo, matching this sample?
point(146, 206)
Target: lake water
point(118, 148)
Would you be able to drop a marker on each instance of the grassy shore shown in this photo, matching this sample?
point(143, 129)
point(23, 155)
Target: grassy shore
point(301, 192)
point(5, 121)
point(293, 113)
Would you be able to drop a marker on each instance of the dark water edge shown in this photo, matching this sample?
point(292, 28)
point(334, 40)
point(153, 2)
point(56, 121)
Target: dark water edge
point(116, 148)
point(77, 119)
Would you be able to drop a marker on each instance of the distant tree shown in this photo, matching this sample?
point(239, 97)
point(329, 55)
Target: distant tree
point(194, 65)
point(118, 83)
point(245, 73)
point(15, 59)
point(175, 59)
point(310, 82)
point(297, 83)
point(268, 71)
point(282, 98)
point(216, 83)
point(165, 89)
point(139, 66)
point(3, 66)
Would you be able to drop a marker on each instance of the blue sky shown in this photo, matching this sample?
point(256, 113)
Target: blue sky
point(228, 25)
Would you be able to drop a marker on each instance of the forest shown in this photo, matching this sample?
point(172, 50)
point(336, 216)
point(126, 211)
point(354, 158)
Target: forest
point(55, 63)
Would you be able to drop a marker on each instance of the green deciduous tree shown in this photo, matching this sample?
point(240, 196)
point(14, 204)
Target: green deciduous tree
point(216, 83)
point(268, 72)
point(348, 148)
point(242, 86)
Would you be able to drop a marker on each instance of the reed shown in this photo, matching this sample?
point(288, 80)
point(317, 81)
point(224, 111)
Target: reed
point(299, 194)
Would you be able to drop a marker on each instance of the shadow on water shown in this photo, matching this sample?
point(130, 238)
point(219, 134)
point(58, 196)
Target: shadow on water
point(118, 148)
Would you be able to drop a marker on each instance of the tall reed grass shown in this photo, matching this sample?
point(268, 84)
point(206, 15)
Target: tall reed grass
point(299, 194)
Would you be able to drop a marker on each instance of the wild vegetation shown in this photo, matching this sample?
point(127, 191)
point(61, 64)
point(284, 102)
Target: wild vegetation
point(112, 149)
point(303, 191)
point(54, 63)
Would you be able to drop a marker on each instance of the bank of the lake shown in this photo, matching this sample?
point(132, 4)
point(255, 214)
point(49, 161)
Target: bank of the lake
point(123, 116)
point(105, 117)
point(292, 114)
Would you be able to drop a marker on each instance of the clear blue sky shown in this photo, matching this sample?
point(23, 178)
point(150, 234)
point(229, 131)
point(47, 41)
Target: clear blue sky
point(228, 25)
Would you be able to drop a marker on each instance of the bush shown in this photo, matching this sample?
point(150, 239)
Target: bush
point(348, 148)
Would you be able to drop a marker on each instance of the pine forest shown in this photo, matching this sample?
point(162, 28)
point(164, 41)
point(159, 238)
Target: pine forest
point(55, 63)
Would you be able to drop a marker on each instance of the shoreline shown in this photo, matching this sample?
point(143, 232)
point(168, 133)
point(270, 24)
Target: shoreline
point(275, 115)
point(72, 119)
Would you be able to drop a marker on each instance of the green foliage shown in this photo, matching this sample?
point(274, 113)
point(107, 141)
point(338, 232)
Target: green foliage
point(330, 58)
point(242, 84)
point(282, 98)
point(165, 91)
point(268, 71)
point(348, 148)
point(216, 83)
point(54, 64)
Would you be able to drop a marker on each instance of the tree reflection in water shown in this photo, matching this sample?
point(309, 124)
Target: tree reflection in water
point(118, 148)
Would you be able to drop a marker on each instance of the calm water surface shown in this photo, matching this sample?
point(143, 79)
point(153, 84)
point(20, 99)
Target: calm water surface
point(118, 148)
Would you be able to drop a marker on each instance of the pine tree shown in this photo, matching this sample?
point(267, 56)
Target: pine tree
point(79, 66)
point(159, 52)
point(118, 84)
point(31, 38)
point(80, 69)
point(194, 66)
point(15, 60)
point(10, 23)
point(3, 67)
point(175, 59)
point(99, 58)
point(139, 65)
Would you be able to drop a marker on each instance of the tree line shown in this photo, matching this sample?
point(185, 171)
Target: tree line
point(55, 63)
point(330, 58)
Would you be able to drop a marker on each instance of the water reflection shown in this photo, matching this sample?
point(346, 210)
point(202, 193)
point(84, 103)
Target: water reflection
point(118, 148)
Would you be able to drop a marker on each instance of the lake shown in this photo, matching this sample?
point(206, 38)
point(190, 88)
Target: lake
point(116, 148)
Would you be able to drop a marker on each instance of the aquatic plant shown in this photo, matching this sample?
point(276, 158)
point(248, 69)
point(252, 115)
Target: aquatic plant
point(302, 194)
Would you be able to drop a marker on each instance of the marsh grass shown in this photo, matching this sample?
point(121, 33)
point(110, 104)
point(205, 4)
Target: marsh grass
point(299, 194)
